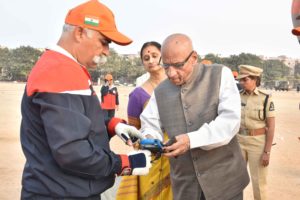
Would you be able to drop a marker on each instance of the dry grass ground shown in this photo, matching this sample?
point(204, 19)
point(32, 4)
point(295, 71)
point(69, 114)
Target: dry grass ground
point(284, 171)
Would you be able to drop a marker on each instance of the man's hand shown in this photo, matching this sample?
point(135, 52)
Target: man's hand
point(129, 134)
point(179, 147)
point(139, 163)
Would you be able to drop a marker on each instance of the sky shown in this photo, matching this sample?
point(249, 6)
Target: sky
point(223, 27)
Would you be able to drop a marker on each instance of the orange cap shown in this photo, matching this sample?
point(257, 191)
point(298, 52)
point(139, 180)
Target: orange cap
point(96, 16)
point(235, 74)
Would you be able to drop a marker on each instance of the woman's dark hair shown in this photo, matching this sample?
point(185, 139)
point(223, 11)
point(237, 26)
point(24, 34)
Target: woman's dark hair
point(257, 78)
point(147, 44)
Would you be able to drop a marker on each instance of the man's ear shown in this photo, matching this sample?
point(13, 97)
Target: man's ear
point(78, 33)
point(195, 57)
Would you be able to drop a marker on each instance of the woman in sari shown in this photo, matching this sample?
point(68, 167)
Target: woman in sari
point(156, 185)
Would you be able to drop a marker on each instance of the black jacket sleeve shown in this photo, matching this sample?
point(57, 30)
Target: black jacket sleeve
point(78, 142)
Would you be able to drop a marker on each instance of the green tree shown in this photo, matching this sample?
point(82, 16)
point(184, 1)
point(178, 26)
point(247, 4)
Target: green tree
point(122, 68)
point(275, 70)
point(213, 58)
point(21, 61)
point(15, 64)
point(297, 70)
point(233, 61)
point(4, 60)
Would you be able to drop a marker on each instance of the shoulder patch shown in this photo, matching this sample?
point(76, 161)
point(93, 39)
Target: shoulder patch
point(272, 107)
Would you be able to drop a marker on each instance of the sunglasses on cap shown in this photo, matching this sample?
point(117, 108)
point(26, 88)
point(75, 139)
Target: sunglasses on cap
point(176, 65)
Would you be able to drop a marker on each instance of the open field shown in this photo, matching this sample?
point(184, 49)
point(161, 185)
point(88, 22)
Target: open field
point(284, 171)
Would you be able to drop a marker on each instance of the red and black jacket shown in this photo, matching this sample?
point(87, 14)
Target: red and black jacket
point(63, 132)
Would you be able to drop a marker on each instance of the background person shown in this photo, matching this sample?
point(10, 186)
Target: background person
point(235, 75)
point(156, 185)
point(109, 97)
point(64, 137)
point(197, 105)
point(257, 128)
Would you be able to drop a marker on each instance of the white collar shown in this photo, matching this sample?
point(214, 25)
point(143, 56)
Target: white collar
point(61, 50)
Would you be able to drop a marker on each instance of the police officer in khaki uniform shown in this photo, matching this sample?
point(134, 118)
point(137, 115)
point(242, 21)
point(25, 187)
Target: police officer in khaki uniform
point(257, 127)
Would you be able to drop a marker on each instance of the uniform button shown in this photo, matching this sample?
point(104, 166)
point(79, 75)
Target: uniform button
point(195, 159)
point(198, 174)
point(186, 107)
point(190, 123)
point(183, 91)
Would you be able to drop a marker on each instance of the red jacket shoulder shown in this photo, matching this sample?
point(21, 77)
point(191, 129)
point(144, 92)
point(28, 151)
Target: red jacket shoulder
point(55, 72)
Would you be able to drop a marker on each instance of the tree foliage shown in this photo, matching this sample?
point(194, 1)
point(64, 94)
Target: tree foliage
point(122, 68)
point(273, 69)
point(18, 62)
point(15, 64)
point(297, 70)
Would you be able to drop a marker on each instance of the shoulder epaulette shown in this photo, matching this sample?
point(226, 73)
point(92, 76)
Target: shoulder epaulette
point(265, 93)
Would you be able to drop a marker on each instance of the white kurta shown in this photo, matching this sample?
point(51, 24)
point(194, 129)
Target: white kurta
point(210, 135)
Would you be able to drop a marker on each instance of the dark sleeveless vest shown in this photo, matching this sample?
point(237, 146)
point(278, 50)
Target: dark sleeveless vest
point(220, 173)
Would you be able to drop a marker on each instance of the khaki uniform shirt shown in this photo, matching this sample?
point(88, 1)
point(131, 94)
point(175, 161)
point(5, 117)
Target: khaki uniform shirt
point(252, 115)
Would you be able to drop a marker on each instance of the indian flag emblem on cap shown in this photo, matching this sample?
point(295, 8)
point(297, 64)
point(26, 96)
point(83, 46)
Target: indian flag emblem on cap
point(91, 21)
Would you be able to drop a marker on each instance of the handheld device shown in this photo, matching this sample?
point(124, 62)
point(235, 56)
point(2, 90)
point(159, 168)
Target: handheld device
point(155, 145)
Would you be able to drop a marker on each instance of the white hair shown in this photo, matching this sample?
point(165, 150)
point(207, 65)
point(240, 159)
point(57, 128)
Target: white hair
point(69, 28)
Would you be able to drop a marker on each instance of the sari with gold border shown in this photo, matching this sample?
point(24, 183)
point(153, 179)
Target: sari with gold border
point(157, 184)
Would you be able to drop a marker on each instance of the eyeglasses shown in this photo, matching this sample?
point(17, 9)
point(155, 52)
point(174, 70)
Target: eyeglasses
point(176, 65)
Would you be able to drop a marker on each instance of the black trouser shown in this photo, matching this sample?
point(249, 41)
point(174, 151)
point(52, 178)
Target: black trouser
point(25, 195)
point(109, 114)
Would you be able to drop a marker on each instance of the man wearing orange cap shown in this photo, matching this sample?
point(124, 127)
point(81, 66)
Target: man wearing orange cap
point(64, 136)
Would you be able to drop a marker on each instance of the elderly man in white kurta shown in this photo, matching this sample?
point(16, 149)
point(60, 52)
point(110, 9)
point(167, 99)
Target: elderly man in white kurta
point(199, 105)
